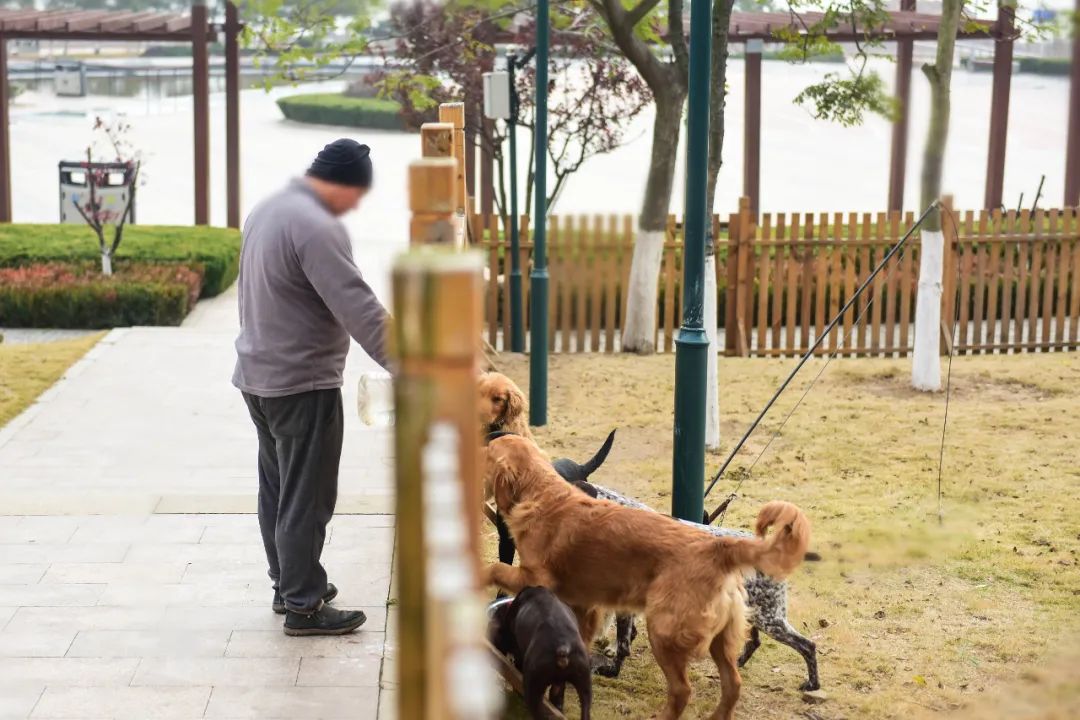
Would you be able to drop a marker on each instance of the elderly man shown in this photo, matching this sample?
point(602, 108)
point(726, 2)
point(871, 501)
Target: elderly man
point(301, 298)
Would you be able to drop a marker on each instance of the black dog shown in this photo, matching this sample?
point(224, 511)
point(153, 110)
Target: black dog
point(541, 634)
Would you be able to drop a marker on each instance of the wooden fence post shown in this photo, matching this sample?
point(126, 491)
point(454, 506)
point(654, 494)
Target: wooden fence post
point(437, 301)
point(743, 309)
point(731, 291)
point(951, 256)
point(437, 140)
point(431, 188)
point(454, 114)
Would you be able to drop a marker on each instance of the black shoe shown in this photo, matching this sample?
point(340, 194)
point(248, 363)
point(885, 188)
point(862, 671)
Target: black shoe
point(324, 621)
point(328, 597)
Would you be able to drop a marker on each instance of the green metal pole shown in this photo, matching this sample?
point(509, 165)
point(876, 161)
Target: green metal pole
point(538, 349)
point(692, 344)
point(517, 327)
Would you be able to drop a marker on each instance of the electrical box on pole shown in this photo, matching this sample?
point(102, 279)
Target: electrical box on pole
point(497, 95)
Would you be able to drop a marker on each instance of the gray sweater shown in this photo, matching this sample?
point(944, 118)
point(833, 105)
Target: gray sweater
point(301, 297)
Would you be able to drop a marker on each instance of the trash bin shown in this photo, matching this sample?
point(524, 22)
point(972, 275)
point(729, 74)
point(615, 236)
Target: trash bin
point(69, 79)
point(113, 193)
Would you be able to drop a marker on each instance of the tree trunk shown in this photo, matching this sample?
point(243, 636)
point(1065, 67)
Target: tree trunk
point(106, 263)
point(639, 325)
point(925, 366)
point(717, 100)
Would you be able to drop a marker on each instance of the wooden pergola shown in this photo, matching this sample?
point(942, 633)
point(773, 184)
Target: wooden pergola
point(904, 28)
point(102, 25)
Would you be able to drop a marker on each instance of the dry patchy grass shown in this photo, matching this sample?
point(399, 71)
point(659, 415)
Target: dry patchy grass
point(910, 617)
point(27, 370)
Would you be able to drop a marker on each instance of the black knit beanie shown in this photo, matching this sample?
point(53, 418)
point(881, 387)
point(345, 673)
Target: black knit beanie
point(345, 162)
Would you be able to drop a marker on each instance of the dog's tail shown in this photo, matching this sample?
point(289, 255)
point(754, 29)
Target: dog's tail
point(779, 554)
point(593, 464)
point(562, 656)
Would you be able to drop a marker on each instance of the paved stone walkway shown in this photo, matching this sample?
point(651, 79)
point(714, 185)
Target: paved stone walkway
point(132, 578)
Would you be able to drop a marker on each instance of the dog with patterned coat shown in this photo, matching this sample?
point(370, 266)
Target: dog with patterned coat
point(766, 600)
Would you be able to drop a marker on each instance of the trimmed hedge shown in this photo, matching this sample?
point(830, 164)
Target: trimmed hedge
point(213, 251)
point(76, 295)
point(338, 109)
point(1045, 66)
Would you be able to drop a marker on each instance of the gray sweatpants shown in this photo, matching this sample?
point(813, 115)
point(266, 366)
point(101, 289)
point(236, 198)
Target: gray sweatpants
point(299, 452)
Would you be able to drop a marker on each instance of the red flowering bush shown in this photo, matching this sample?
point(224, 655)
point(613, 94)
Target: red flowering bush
point(76, 295)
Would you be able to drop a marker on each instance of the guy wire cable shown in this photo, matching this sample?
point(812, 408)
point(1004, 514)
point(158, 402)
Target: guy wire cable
point(948, 372)
point(809, 353)
point(722, 510)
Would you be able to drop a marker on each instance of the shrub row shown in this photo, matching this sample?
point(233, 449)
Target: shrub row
point(1045, 66)
point(338, 109)
point(214, 252)
point(76, 295)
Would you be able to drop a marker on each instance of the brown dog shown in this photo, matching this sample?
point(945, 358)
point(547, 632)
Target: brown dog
point(596, 554)
point(502, 405)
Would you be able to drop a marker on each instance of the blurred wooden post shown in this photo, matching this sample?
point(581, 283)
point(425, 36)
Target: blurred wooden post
point(431, 200)
point(200, 98)
point(5, 136)
point(437, 140)
point(437, 302)
point(454, 113)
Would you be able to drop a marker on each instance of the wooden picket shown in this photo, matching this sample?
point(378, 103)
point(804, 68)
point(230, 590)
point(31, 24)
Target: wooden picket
point(781, 279)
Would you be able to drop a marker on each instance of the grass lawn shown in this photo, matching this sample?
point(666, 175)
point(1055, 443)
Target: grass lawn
point(27, 370)
point(978, 617)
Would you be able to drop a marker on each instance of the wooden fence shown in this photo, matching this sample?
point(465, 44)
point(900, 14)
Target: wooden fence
point(780, 281)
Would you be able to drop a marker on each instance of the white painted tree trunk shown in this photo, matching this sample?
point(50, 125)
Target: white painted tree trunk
point(926, 362)
point(106, 263)
point(639, 325)
point(712, 394)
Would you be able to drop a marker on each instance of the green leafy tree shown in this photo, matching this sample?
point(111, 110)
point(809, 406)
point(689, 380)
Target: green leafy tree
point(302, 38)
point(442, 50)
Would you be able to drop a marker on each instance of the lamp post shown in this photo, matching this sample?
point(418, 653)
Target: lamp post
point(538, 350)
point(692, 343)
point(517, 329)
point(501, 102)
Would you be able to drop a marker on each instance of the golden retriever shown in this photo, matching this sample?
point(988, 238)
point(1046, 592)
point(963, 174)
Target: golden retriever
point(502, 405)
point(596, 554)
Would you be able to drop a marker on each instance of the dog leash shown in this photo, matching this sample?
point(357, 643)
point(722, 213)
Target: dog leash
point(721, 510)
point(948, 372)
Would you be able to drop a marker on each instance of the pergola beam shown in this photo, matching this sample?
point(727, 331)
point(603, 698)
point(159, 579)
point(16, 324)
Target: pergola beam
point(232, 115)
point(999, 108)
point(5, 137)
point(178, 23)
point(91, 19)
point(752, 127)
point(129, 20)
point(1072, 145)
point(200, 89)
point(898, 154)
